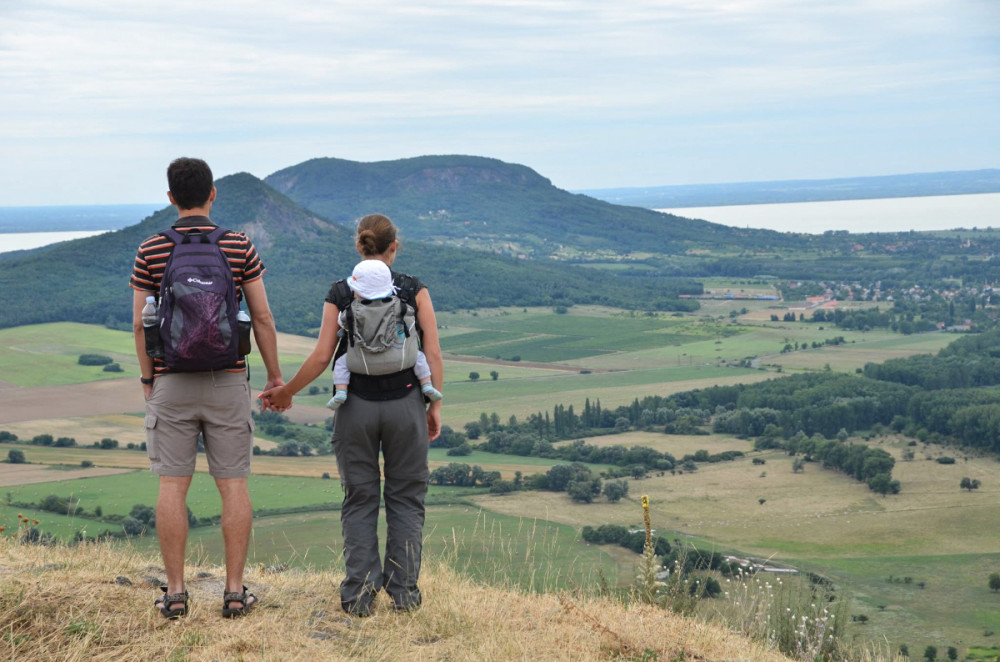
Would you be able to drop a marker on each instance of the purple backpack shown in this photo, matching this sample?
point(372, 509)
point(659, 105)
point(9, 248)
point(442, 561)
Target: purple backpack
point(198, 304)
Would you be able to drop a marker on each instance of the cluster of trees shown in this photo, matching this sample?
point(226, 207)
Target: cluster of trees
point(633, 539)
point(66, 442)
point(463, 475)
point(296, 440)
point(954, 394)
point(99, 359)
point(872, 466)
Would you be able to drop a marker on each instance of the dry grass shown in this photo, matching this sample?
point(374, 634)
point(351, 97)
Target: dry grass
point(65, 603)
point(678, 445)
point(815, 513)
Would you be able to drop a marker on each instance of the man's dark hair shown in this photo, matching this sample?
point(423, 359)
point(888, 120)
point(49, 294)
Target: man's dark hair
point(190, 182)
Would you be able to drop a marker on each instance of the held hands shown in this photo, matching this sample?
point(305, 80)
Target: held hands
point(275, 396)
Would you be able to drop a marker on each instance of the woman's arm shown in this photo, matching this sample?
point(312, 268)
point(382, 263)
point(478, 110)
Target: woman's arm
point(280, 398)
point(431, 346)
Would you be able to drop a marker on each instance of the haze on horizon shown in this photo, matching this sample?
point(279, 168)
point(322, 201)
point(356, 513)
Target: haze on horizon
point(99, 96)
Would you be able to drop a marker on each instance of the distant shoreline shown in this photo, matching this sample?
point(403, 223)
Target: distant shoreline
point(862, 216)
point(73, 218)
point(936, 184)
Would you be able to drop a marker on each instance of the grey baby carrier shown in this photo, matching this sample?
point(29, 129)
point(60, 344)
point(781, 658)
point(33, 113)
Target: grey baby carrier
point(378, 334)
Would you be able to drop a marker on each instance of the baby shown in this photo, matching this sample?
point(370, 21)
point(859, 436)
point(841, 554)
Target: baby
point(372, 279)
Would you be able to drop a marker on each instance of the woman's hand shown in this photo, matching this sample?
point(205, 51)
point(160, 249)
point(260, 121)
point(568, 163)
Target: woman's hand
point(433, 421)
point(277, 398)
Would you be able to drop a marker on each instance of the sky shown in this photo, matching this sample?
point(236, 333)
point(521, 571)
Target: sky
point(97, 96)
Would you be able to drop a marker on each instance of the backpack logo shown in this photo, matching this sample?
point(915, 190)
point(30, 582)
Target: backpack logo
point(198, 307)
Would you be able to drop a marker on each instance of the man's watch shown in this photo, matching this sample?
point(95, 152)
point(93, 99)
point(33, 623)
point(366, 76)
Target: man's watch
point(146, 380)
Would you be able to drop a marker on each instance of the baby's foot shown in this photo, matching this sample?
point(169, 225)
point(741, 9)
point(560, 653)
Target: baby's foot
point(430, 392)
point(338, 399)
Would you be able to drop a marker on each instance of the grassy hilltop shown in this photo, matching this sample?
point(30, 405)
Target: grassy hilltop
point(95, 603)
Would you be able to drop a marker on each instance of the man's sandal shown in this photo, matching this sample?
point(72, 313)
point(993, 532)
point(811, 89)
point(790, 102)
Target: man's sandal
point(164, 602)
point(246, 599)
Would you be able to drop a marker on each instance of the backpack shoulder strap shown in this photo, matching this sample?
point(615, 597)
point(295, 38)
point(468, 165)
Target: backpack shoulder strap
point(343, 297)
point(406, 288)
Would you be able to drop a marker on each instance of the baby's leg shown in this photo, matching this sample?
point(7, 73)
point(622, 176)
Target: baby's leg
point(423, 372)
point(341, 378)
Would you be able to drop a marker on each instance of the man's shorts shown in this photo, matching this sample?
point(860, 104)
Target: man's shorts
point(215, 404)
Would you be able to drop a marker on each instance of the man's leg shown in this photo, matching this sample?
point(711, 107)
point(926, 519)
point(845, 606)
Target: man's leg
point(228, 428)
point(237, 519)
point(172, 528)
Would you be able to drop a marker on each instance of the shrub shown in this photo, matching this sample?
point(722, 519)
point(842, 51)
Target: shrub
point(94, 359)
point(86, 464)
point(944, 459)
point(113, 367)
point(502, 487)
point(16, 457)
point(462, 449)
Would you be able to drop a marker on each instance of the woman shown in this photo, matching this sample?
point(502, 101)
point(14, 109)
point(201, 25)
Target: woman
point(387, 414)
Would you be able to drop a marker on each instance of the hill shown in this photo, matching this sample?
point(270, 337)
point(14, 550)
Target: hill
point(808, 190)
point(470, 200)
point(95, 602)
point(86, 280)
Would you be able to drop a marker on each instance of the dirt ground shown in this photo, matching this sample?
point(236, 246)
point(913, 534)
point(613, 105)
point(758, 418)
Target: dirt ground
point(24, 474)
point(115, 396)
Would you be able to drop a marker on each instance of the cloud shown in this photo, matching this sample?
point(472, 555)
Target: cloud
point(524, 80)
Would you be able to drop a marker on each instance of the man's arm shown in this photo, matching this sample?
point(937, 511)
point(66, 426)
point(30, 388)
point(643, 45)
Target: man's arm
point(263, 330)
point(139, 333)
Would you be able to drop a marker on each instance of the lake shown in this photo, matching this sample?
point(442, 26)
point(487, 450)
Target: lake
point(19, 241)
point(945, 212)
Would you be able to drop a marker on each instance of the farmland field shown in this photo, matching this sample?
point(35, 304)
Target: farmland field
point(933, 532)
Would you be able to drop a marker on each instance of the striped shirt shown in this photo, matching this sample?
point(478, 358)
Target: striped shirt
point(151, 261)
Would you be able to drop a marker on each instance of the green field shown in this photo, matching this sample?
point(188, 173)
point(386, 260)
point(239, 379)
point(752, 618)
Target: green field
point(48, 354)
point(117, 494)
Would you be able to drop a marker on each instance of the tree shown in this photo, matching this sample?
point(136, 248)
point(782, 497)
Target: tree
point(969, 484)
point(994, 582)
point(15, 457)
point(584, 490)
point(930, 653)
point(615, 490)
point(798, 465)
point(952, 653)
point(473, 376)
point(494, 375)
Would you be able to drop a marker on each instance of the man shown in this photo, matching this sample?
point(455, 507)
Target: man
point(212, 403)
